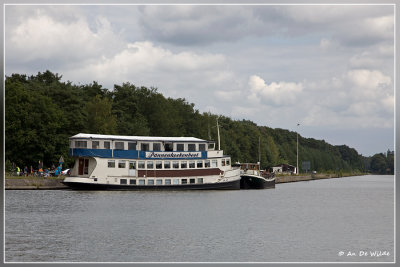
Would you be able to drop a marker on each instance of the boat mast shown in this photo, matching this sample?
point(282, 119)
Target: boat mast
point(219, 143)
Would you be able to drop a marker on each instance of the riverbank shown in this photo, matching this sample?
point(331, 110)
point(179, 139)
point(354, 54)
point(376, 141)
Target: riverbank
point(34, 183)
point(40, 183)
point(300, 178)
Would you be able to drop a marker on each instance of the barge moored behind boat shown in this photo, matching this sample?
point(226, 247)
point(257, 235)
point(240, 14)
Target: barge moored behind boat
point(144, 162)
point(253, 178)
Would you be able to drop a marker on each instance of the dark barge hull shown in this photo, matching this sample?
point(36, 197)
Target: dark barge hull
point(231, 185)
point(256, 182)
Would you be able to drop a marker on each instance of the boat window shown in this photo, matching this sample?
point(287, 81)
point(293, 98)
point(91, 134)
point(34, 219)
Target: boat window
point(228, 162)
point(211, 146)
point(132, 181)
point(192, 181)
point(122, 181)
point(111, 164)
point(81, 144)
point(191, 147)
point(214, 163)
point(95, 144)
point(183, 164)
point(150, 164)
point(180, 147)
point(176, 181)
point(131, 145)
point(106, 145)
point(223, 162)
point(167, 164)
point(168, 147)
point(141, 181)
point(150, 182)
point(158, 181)
point(175, 164)
point(167, 181)
point(202, 147)
point(86, 167)
point(207, 164)
point(121, 164)
point(158, 164)
point(144, 146)
point(199, 164)
point(184, 181)
point(132, 165)
point(199, 180)
point(156, 147)
point(192, 164)
point(140, 164)
point(119, 145)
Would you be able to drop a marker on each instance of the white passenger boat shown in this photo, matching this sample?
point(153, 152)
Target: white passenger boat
point(144, 162)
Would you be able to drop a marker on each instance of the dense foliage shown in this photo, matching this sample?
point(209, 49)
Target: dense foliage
point(42, 112)
point(382, 163)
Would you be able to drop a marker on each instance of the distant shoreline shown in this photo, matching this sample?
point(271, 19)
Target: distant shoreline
point(311, 177)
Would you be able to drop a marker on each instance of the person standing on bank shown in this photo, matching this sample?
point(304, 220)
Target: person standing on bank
point(58, 171)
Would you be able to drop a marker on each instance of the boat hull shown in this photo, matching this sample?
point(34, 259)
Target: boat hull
point(256, 182)
point(229, 185)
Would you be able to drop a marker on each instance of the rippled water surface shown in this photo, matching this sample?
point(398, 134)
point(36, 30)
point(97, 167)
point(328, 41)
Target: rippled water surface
point(314, 221)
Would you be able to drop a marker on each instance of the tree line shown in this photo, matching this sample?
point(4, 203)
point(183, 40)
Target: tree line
point(42, 112)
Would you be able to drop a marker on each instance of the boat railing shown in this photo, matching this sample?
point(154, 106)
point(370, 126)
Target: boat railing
point(251, 172)
point(268, 175)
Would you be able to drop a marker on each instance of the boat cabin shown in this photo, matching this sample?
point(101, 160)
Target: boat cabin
point(140, 156)
point(137, 146)
point(250, 166)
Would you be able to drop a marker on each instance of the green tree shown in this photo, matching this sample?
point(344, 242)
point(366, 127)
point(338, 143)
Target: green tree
point(42, 112)
point(100, 119)
point(126, 105)
point(378, 164)
point(390, 161)
point(34, 126)
point(272, 152)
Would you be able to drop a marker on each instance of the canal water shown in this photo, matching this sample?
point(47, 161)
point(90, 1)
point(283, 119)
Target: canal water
point(334, 220)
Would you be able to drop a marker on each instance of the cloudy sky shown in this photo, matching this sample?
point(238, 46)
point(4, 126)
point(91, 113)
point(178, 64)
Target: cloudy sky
point(328, 67)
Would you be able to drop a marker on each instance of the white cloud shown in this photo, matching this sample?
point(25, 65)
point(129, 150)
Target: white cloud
point(244, 111)
point(386, 49)
point(368, 79)
point(388, 104)
point(363, 60)
point(362, 109)
point(325, 43)
point(326, 66)
point(143, 63)
point(382, 27)
point(42, 37)
point(281, 93)
point(227, 96)
point(194, 25)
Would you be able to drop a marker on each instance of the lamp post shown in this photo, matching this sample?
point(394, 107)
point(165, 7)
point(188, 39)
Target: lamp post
point(297, 167)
